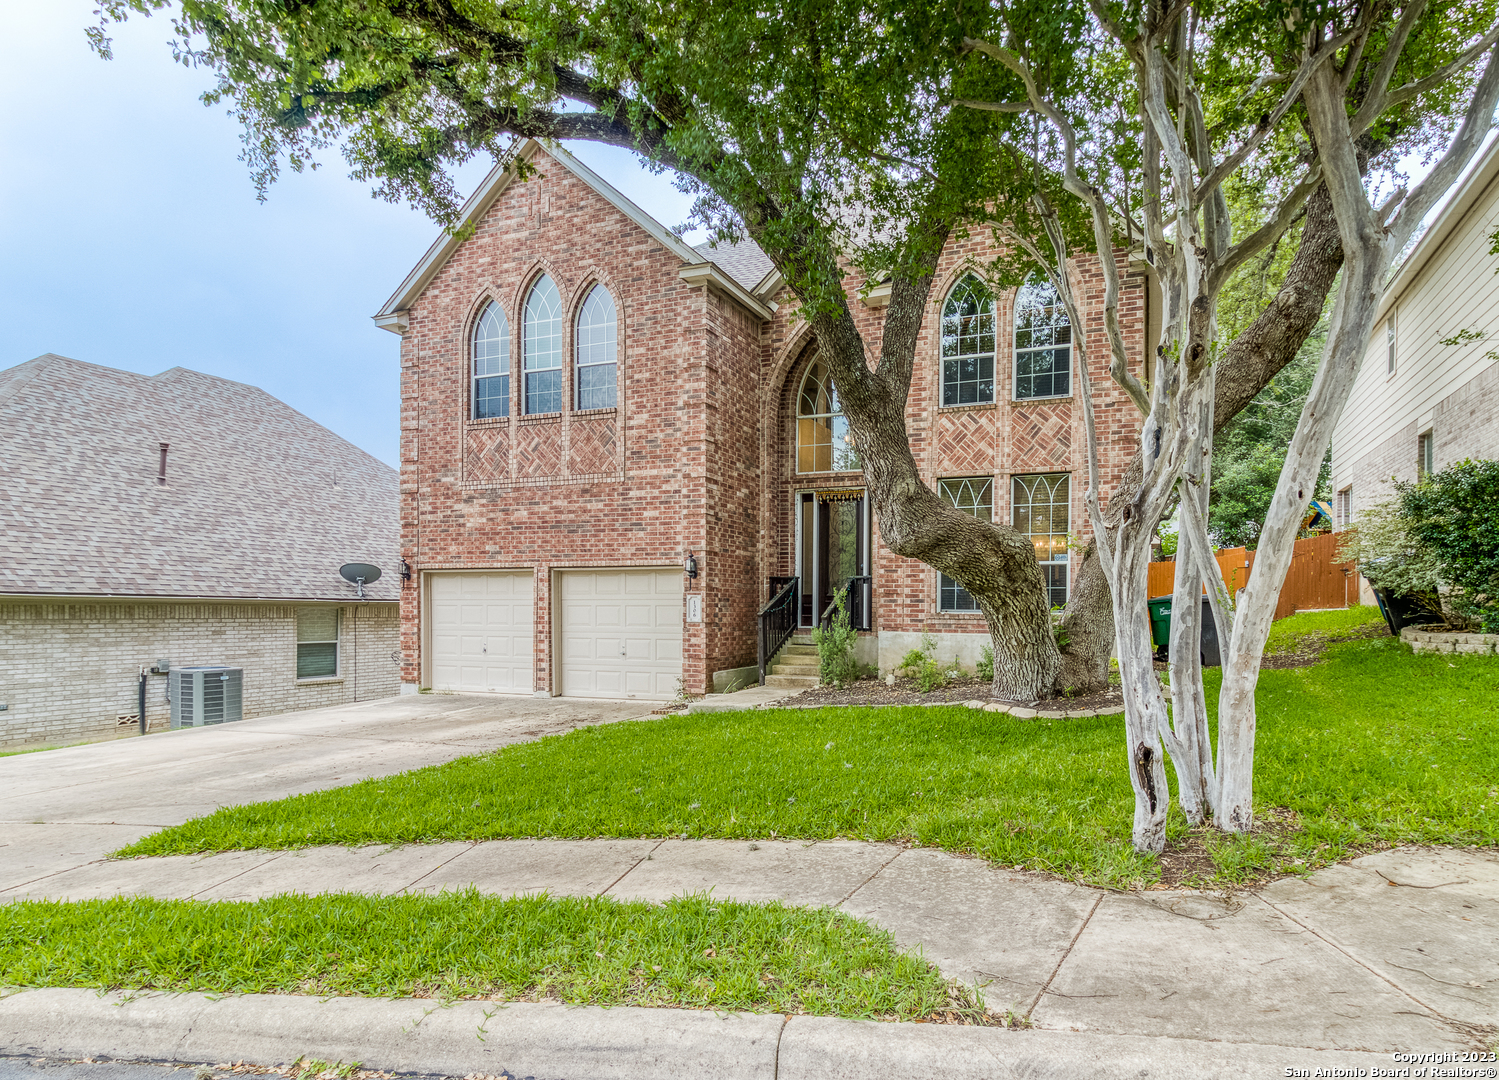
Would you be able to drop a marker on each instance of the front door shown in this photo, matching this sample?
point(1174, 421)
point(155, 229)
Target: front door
point(832, 547)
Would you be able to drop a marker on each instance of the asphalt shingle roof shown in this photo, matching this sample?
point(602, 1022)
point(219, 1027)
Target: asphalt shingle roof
point(744, 261)
point(260, 502)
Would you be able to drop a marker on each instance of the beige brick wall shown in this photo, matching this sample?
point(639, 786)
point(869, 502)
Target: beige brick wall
point(68, 671)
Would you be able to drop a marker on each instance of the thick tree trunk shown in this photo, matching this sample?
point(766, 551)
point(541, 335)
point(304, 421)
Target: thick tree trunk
point(996, 564)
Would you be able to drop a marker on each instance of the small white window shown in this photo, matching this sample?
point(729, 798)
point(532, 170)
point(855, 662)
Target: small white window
point(491, 347)
point(596, 349)
point(1425, 455)
point(543, 348)
point(975, 495)
point(317, 642)
point(1345, 506)
point(1389, 344)
point(1043, 343)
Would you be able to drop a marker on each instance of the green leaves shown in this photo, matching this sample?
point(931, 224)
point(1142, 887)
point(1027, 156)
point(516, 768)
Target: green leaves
point(1452, 513)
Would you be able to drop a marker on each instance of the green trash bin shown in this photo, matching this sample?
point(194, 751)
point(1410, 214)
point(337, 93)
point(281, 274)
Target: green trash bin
point(1160, 623)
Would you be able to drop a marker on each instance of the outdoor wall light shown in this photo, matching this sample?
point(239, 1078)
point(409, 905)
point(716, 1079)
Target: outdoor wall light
point(405, 570)
point(690, 566)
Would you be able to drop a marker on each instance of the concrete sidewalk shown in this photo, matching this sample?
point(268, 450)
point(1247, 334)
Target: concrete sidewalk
point(557, 1042)
point(1395, 951)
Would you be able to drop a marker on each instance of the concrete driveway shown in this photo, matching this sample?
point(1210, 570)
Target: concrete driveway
point(62, 808)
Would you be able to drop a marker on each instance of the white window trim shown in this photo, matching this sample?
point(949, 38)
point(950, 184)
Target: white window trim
point(336, 642)
point(473, 360)
point(943, 358)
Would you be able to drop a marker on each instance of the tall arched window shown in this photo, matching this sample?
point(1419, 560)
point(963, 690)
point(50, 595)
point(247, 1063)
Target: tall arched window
point(823, 440)
point(543, 348)
point(1043, 343)
point(968, 344)
point(1042, 510)
point(491, 349)
point(596, 349)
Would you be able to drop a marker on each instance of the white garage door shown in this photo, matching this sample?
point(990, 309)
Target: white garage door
point(621, 633)
point(481, 632)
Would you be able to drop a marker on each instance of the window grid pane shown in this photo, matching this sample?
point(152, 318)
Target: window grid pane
point(1043, 343)
point(824, 442)
point(543, 348)
point(975, 495)
point(491, 351)
point(968, 344)
point(597, 351)
point(1042, 512)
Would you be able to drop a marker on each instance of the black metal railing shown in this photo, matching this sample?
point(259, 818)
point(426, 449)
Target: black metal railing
point(860, 600)
point(857, 601)
point(777, 620)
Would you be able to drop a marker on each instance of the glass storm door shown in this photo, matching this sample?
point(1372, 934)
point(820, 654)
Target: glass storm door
point(832, 545)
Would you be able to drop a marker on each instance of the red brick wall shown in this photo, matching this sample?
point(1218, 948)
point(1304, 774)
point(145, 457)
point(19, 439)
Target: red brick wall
point(706, 399)
point(608, 488)
point(998, 440)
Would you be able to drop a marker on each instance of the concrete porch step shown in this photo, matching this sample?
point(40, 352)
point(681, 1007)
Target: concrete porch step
point(795, 666)
point(792, 682)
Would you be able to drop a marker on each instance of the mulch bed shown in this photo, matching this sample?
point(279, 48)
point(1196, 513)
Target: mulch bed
point(969, 688)
point(1310, 647)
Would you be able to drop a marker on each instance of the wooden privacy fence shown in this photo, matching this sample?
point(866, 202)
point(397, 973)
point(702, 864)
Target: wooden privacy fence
point(1315, 580)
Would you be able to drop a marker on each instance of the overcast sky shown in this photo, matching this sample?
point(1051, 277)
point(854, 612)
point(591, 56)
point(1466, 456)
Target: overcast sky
point(132, 237)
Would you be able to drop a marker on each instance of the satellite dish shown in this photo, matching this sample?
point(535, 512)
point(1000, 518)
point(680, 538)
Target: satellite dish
point(360, 574)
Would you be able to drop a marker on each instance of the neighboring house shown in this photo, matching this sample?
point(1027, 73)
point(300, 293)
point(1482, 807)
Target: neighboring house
point(183, 518)
point(588, 402)
point(1428, 391)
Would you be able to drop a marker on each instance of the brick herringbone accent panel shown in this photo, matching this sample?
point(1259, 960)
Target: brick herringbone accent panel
point(538, 451)
point(487, 454)
point(1041, 436)
point(965, 443)
point(592, 448)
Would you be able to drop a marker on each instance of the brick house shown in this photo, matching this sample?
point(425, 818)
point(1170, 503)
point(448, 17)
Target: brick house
point(587, 402)
point(1427, 393)
point(184, 518)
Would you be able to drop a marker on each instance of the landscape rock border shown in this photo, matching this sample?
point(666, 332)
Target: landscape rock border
point(1423, 639)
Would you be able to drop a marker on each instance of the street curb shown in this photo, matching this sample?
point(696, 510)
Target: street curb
point(548, 1041)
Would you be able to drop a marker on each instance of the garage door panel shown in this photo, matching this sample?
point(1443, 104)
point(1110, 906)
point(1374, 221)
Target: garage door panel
point(621, 633)
point(482, 632)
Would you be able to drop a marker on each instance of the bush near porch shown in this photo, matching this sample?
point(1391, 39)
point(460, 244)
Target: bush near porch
point(1372, 746)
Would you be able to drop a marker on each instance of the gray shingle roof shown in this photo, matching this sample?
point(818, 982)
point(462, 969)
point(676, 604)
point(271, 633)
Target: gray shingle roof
point(260, 502)
point(744, 261)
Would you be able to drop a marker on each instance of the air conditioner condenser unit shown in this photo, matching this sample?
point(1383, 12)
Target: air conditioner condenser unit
point(202, 696)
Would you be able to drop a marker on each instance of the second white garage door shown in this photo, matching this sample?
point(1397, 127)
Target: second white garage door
point(620, 633)
point(482, 632)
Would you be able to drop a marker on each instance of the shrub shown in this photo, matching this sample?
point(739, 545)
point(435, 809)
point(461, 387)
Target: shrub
point(986, 663)
point(836, 665)
point(1452, 513)
point(1392, 556)
point(920, 665)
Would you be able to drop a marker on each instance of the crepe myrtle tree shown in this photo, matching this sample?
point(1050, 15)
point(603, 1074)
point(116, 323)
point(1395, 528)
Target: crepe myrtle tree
point(1333, 71)
point(822, 131)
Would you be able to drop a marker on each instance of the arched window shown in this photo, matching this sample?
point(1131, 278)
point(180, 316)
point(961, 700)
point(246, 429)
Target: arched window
point(596, 351)
point(968, 344)
point(543, 348)
point(1043, 343)
point(1042, 512)
point(491, 349)
point(823, 440)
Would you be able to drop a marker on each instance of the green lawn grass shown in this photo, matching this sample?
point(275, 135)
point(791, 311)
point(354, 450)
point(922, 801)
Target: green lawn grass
point(694, 951)
point(1305, 628)
point(1374, 744)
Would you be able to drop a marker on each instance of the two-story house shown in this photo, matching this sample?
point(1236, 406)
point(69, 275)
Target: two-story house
point(592, 408)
